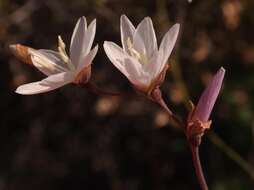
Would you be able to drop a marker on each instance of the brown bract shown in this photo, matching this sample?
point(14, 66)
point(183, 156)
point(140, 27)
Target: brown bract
point(152, 92)
point(196, 128)
point(22, 53)
point(83, 76)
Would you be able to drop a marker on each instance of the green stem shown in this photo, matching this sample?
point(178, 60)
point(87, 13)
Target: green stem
point(232, 154)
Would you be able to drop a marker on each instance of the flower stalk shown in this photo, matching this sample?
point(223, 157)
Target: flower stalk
point(198, 167)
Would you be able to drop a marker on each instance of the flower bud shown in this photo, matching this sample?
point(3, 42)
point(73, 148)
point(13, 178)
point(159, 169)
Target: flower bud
point(198, 119)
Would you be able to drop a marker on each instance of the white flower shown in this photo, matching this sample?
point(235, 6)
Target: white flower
point(139, 59)
point(60, 68)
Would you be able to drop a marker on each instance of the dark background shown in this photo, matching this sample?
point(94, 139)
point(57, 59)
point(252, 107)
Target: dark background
point(72, 139)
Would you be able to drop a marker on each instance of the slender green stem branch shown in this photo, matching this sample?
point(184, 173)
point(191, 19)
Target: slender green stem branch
point(198, 167)
point(231, 153)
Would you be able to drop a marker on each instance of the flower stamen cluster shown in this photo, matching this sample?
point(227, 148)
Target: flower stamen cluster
point(141, 57)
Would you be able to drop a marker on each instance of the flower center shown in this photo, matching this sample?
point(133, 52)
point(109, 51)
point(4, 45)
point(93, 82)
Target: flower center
point(141, 57)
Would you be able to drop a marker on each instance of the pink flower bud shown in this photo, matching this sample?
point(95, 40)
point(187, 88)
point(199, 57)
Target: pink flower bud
point(207, 100)
point(198, 118)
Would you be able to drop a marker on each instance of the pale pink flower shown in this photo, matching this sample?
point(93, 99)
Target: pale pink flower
point(198, 119)
point(59, 68)
point(139, 59)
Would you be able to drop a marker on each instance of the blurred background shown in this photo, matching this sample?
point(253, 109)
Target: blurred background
point(72, 139)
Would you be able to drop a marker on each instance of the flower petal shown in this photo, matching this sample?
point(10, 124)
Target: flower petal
point(54, 56)
point(127, 31)
point(146, 32)
point(89, 37)
point(168, 43)
point(77, 40)
point(33, 88)
point(47, 64)
point(136, 74)
point(138, 43)
point(154, 67)
point(209, 96)
point(87, 60)
point(59, 78)
point(50, 83)
point(130, 67)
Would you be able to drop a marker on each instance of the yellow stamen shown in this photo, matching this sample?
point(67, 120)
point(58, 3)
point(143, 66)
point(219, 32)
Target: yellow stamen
point(63, 54)
point(62, 51)
point(141, 57)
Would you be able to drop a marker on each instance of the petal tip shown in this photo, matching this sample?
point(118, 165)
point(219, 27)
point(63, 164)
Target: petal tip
point(222, 69)
point(20, 91)
point(123, 16)
point(93, 21)
point(96, 47)
point(176, 27)
point(124, 19)
point(105, 43)
point(221, 73)
point(147, 18)
point(12, 47)
point(92, 26)
point(82, 21)
point(82, 18)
